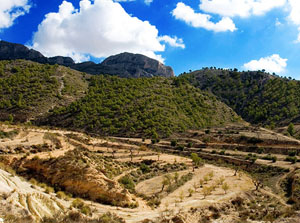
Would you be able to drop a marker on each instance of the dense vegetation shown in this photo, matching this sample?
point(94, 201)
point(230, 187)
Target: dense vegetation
point(256, 96)
point(146, 106)
point(24, 85)
point(28, 89)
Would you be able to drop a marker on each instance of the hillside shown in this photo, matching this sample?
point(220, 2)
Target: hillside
point(154, 107)
point(257, 97)
point(29, 90)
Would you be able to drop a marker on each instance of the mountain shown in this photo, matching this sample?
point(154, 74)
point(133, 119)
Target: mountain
point(256, 96)
point(127, 65)
point(123, 65)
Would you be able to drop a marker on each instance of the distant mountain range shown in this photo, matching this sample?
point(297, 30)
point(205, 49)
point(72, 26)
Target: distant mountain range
point(123, 65)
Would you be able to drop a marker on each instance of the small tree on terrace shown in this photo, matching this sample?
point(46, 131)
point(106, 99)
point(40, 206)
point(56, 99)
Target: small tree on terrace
point(197, 161)
point(166, 181)
point(257, 183)
point(225, 187)
point(206, 191)
point(291, 129)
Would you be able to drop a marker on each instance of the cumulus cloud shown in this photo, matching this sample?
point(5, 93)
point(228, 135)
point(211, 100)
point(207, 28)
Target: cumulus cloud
point(226, 9)
point(241, 8)
point(99, 28)
point(295, 11)
point(294, 15)
point(11, 10)
point(148, 2)
point(271, 64)
point(172, 41)
point(199, 20)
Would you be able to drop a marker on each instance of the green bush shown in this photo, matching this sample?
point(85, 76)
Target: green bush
point(173, 143)
point(77, 203)
point(145, 168)
point(292, 159)
point(127, 182)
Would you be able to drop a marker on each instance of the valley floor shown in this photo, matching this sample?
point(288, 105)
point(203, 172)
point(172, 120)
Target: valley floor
point(28, 194)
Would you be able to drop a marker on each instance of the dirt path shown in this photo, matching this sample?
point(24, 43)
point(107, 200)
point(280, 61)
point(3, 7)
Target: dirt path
point(281, 135)
point(124, 173)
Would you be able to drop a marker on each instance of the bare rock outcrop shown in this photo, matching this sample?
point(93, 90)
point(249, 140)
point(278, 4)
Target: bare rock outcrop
point(80, 178)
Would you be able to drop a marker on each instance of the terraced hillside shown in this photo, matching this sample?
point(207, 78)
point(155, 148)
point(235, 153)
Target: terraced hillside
point(73, 177)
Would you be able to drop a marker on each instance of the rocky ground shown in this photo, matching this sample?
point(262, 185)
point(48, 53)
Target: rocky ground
point(46, 172)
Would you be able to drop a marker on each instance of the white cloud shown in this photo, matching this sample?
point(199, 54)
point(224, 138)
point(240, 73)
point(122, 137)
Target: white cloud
point(295, 11)
point(271, 64)
point(100, 28)
point(172, 41)
point(241, 8)
point(199, 20)
point(148, 2)
point(294, 16)
point(12, 9)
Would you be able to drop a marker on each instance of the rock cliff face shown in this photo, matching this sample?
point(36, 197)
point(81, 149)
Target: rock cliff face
point(70, 173)
point(136, 65)
point(124, 65)
point(12, 51)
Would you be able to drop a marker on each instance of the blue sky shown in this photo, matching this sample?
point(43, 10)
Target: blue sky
point(185, 34)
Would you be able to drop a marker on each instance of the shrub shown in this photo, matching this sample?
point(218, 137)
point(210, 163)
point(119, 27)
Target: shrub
point(173, 143)
point(77, 203)
point(260, 150)
point(254, 140)
point(49, 190)
point(154, 202)
point(274, 159)
point(86, 210)
point(127, 182)
point(144, 168)
point(270, 157)
point(62, 195)
point(292, 159)
point(33, 181)
point(222, 152)
point(292, 153)
point(180, 147)
point(110, 218)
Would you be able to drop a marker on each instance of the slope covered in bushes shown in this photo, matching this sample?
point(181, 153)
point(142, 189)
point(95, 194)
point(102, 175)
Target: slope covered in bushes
point(29, 89)
point(258, 97)
point(141, 107)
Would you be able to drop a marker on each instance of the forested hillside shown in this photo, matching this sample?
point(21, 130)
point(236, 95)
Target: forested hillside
point(257, 97)
point(59, 96)
point(153, 107)
point(29, 89)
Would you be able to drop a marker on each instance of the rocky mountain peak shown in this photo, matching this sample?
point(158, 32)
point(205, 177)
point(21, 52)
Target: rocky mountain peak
point(124, 65)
